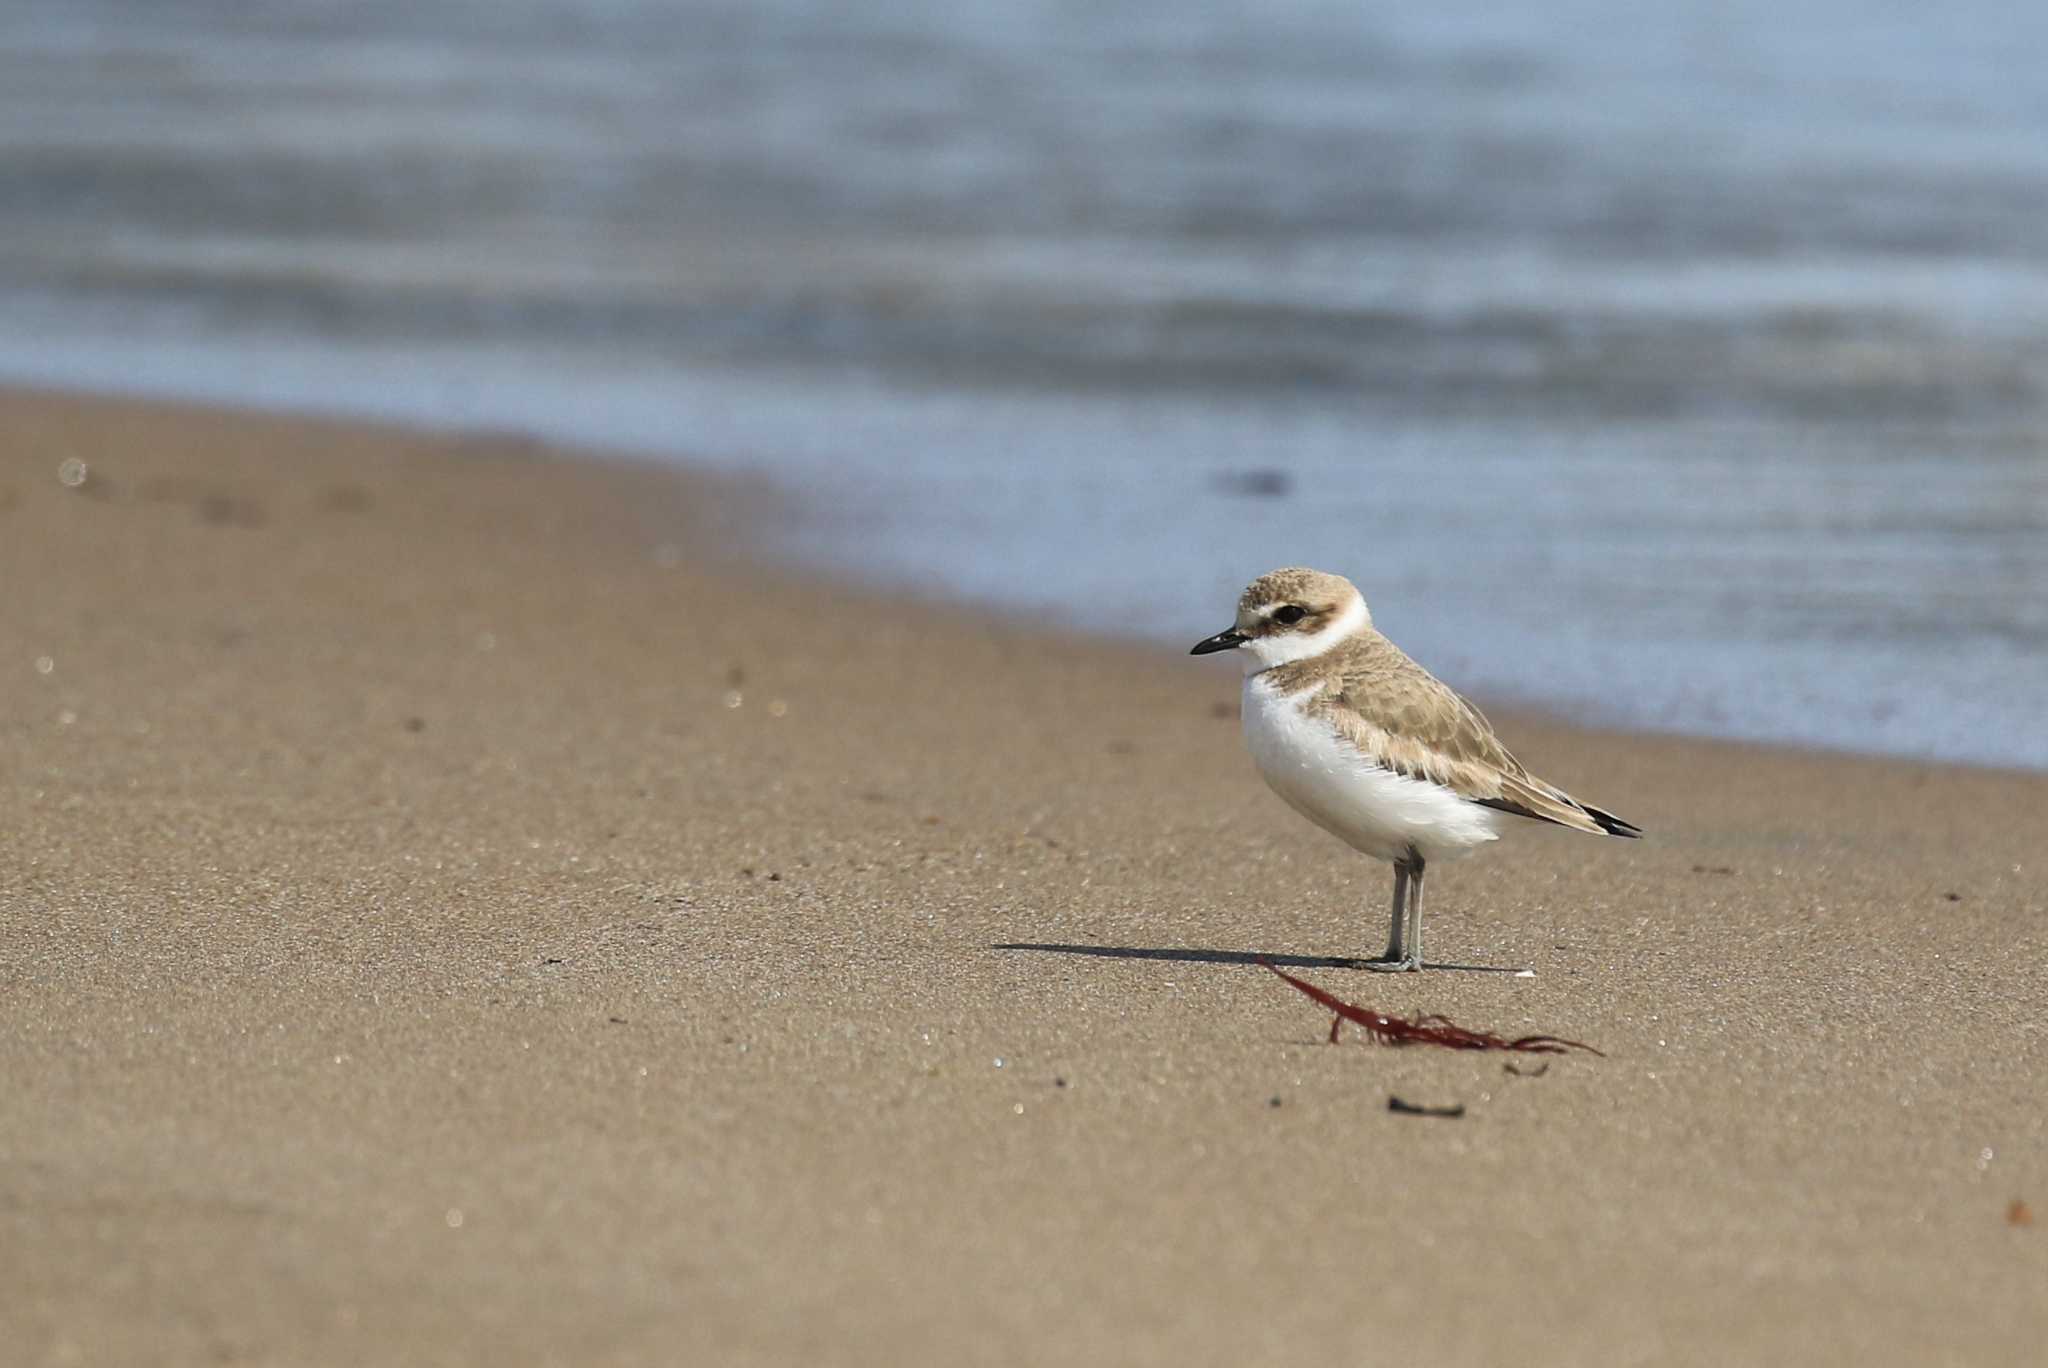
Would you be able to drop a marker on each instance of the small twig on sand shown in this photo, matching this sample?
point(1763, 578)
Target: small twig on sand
point(1425, 1030)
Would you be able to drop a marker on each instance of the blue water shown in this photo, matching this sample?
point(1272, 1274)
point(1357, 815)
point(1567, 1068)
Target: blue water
point(1682, 366)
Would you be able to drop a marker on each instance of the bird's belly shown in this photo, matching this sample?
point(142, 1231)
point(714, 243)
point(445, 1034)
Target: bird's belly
point(1373, 810)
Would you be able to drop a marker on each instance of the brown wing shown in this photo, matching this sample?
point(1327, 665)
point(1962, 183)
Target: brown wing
point(1391, 707)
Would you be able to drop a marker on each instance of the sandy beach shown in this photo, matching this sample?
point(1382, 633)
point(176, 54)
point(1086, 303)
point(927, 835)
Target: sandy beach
point(457, 910)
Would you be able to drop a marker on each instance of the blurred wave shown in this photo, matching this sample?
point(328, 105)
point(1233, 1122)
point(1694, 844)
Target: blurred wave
point(1679, 365)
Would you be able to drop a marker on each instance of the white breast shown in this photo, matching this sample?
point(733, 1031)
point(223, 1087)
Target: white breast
point(1328, 781)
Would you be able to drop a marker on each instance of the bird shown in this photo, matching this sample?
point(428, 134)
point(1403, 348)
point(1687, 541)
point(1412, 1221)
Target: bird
point(1372, 748)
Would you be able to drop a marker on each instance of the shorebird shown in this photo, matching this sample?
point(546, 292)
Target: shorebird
point(1371, 747)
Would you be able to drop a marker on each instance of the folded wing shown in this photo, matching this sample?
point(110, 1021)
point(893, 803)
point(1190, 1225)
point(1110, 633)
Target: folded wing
point(1416, 725)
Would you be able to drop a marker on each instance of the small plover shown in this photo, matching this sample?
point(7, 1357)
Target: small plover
point(1373, 748)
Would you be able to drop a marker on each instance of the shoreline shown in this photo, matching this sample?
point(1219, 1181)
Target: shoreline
point(763, 496)
point(460, 907)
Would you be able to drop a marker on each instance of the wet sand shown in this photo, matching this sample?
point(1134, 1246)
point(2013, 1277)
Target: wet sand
point(456, 911)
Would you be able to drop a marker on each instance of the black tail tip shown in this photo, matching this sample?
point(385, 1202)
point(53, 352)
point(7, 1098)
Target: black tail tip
point(1613, 825)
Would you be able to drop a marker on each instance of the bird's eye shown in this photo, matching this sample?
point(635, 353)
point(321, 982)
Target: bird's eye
point(1290, 615)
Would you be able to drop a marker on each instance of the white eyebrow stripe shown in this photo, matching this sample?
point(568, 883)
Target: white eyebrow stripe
point(1285, 648)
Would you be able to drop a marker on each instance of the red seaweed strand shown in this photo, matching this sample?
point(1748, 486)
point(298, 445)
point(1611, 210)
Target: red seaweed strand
point(1424, 1030)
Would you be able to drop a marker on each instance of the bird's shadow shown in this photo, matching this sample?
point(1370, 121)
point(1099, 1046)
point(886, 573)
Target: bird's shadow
point(1188, 955)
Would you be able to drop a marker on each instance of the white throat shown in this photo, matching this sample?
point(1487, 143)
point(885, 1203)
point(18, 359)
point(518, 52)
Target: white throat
point(1263, 653)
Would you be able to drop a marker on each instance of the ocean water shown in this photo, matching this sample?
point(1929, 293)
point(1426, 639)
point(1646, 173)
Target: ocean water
point(1678, 366)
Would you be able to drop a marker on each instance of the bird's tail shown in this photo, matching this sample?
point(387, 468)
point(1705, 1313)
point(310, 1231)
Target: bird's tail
point(1611, 824)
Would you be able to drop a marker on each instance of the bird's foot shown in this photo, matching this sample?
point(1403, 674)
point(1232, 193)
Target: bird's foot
point(1390, 963)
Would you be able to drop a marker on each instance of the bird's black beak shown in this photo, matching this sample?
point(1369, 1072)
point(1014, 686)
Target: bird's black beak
point(1222, 641)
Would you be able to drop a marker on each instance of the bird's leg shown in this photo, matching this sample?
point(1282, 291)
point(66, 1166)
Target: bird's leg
point(1396, 957)
point(1415, 867)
